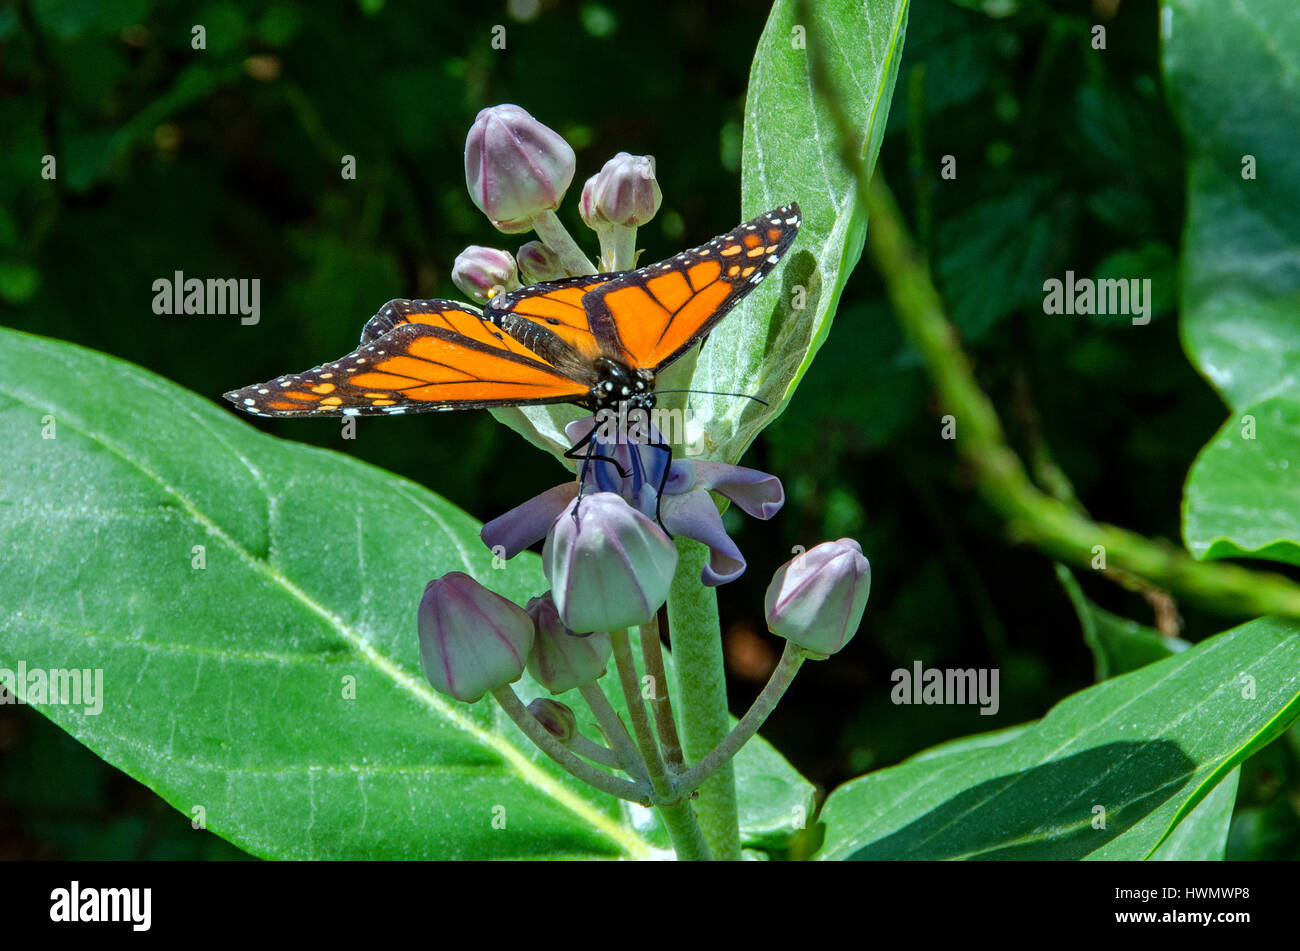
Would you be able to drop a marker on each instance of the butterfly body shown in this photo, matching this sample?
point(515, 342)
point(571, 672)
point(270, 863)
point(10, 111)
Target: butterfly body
point(597, 341)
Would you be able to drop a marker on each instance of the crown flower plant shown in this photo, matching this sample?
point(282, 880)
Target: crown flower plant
point(622, 537)
point(611, 533)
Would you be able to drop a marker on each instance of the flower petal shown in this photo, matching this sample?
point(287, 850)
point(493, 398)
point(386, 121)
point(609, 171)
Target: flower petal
point(527, 524)
point(757, 493)
point(695, 515)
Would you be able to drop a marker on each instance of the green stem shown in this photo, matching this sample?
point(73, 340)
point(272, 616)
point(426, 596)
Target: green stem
point(679, 817)
point(510, 703)
point(1032, 516)
point(645, 737)
point(555, 236)
point(661, 704)
point(791, 659)
point(700, 685)
point(615, 732)
point(618, 247)
point(589, 749)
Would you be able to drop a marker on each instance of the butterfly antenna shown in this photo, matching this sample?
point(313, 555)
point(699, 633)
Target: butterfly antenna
point(747, 396)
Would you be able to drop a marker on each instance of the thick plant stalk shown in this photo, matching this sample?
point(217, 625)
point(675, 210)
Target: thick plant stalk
point(678, 816)
point(661, 704)
point(700, 686)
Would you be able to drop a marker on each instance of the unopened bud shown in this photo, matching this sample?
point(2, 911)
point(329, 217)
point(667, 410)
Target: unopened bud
point(537, 263)
point(816, 599)
point(624, 193)
point(515, 167)
point(557, 719)
point(482, 273)
point(562, 660)
point(471, 639)
point(610, 567)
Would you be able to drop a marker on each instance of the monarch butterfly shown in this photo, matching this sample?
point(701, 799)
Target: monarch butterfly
point(597, 341)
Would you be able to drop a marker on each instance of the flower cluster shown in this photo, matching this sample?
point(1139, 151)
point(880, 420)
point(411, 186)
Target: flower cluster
point(608, 535)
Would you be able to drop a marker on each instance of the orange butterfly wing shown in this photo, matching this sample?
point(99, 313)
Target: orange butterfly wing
point(538, 344)
point(447, 314)
point(650, 317)
point(556, 307)
point(418, 356)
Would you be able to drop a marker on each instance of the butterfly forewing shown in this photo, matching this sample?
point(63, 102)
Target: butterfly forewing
point(650, 317)
point(431, 358)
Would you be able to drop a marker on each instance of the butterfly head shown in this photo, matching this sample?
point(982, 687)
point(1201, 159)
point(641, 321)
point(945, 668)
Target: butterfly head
point(617, 383)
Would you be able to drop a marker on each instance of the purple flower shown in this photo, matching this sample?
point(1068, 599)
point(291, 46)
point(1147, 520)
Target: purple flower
point(685, 506)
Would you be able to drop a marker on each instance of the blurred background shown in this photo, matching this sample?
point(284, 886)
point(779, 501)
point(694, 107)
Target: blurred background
point(226, 162)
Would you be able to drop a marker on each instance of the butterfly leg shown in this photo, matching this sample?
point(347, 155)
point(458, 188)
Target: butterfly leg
point(639, 467)
point(663, 481)
point(573, 452)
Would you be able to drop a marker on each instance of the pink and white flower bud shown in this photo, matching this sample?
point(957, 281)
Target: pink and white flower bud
point(516, 167)
point(472, 640)
point(482, 273)
point(816, 599)
point(624, 193)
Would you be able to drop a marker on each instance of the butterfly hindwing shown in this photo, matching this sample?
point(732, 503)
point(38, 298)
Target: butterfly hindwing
point(549, 318)
point(650, 317)
point(447, 314)
point(434, 355)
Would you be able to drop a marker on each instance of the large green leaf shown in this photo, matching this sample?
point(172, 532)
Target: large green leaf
point(1147, 747)
point(226, 686)
point(1118, 646)
point(1202, 835)
point(1231, 74)
point(1243, 492)
point(791, 153)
